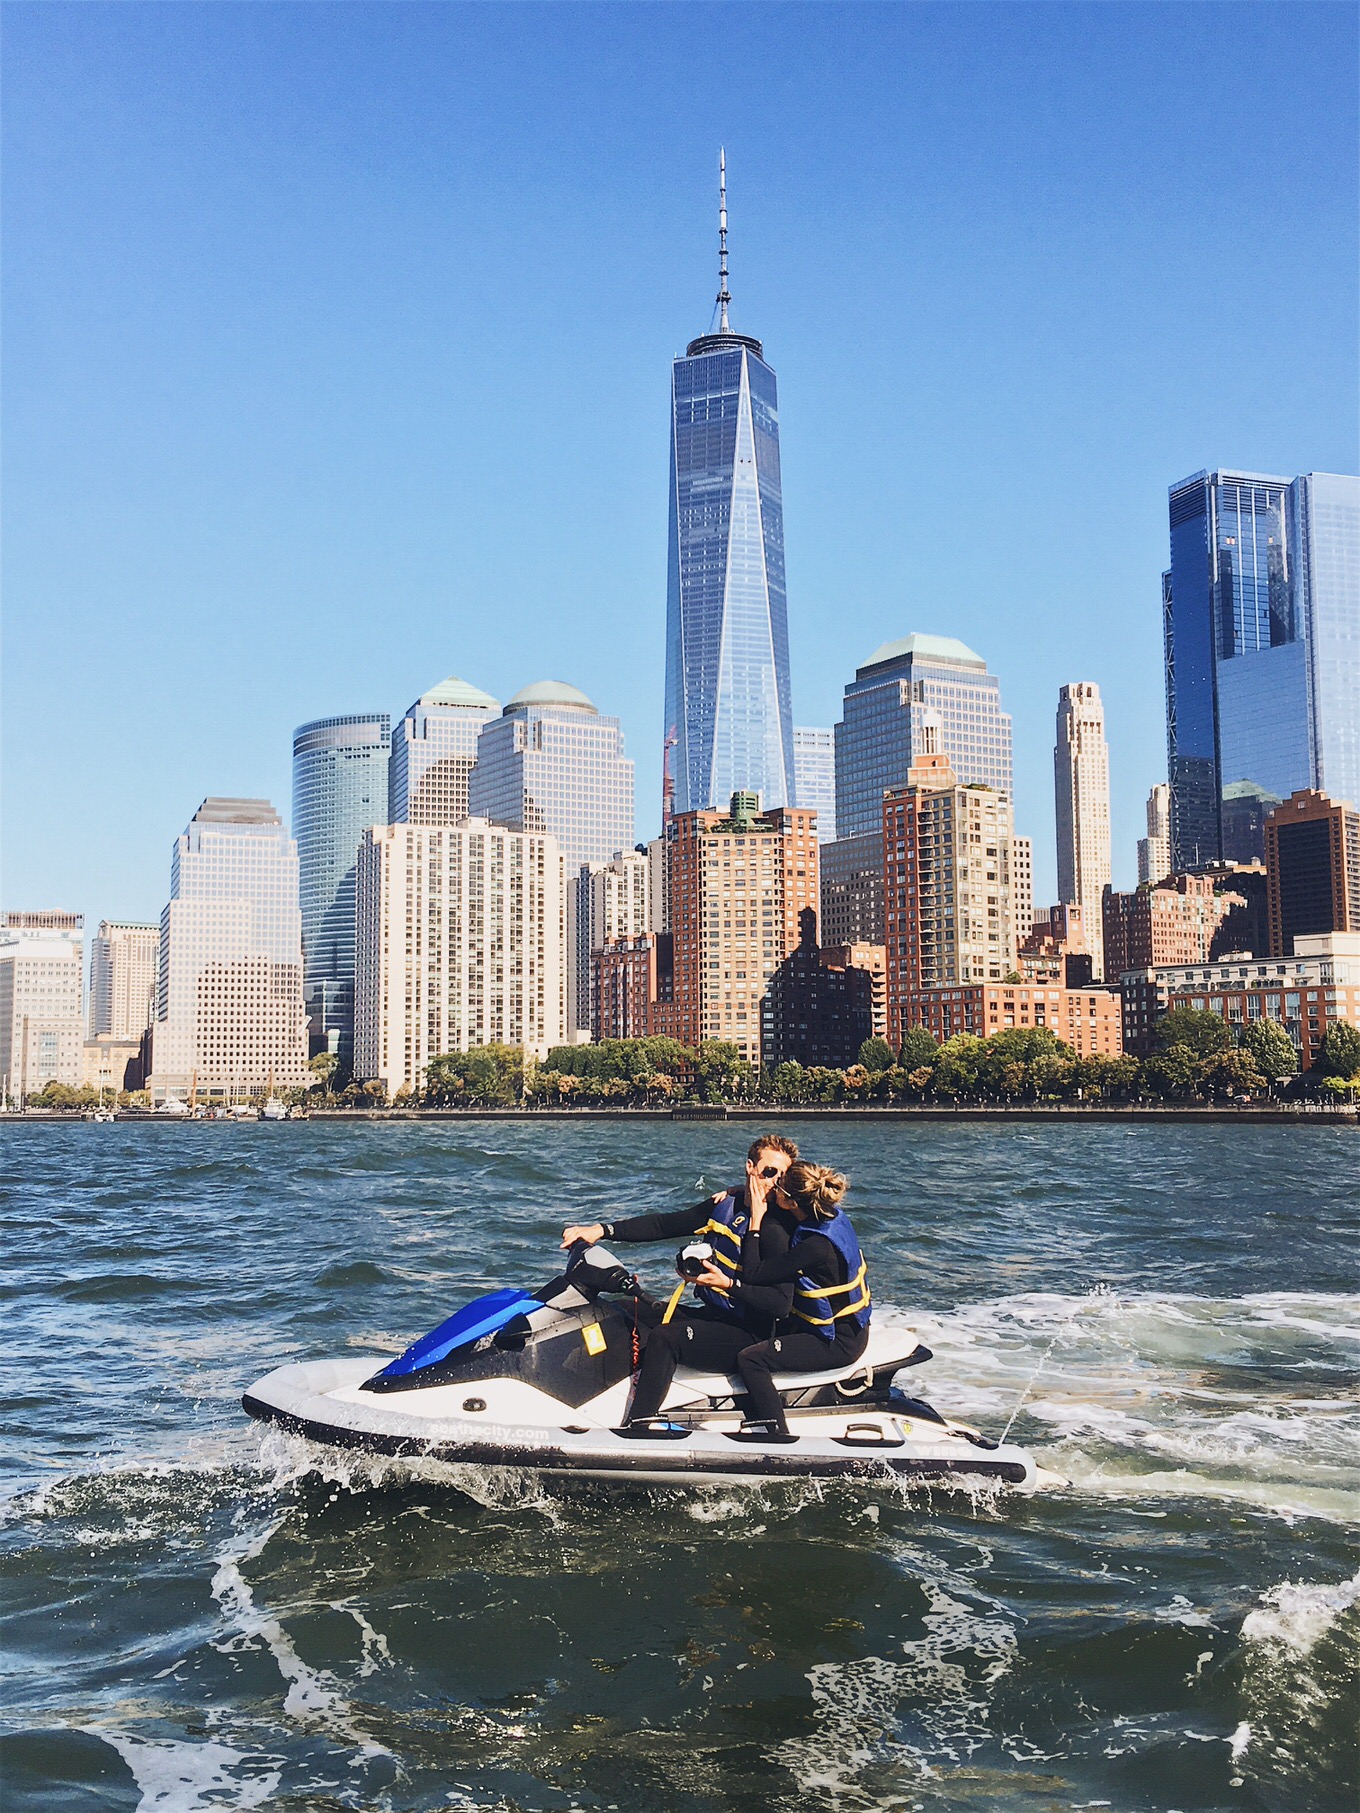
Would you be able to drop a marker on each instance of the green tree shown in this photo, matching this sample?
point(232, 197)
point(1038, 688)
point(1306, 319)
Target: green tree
point(1194, 1027)
point(876, 1055)
point(957, 1062)
point(1112, 1079)
point(64, 1096)
point(718, 1068)
point(1231, 1072)
point(323, 1068)
point(788, 1082)
point(919, 1047)
point(824, 1084)
point(487, 1076)
point(1340, 1054)
point(1271, 1049)
point(1016, 1060)
point(1172, 1072)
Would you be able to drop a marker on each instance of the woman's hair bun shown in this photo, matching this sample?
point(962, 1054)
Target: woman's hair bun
point(816, 1188)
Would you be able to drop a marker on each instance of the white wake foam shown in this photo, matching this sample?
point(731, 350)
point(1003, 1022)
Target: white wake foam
point(1295, 1615)
point(173, 1776)
point(314, 1696)
point(1165, 1395)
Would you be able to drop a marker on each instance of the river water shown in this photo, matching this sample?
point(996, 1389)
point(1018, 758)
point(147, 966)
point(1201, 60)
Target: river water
point(202, 1614)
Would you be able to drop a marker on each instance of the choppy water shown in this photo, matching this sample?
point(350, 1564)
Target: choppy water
point(203, 1615)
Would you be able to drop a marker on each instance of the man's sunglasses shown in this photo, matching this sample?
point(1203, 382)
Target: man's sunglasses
point(771, 1171)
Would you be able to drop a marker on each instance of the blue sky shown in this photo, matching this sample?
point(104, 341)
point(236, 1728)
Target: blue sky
point(338, 345)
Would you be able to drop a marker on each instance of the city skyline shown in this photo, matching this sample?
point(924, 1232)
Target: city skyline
point(183, 521)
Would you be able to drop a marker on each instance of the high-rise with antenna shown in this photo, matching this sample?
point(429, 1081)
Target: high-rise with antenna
point(729, 720)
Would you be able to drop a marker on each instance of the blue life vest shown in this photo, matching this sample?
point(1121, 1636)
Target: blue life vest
point(825, 1305)
point(724, 1231)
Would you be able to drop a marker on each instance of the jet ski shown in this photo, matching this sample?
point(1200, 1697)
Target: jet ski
point(542, 1379)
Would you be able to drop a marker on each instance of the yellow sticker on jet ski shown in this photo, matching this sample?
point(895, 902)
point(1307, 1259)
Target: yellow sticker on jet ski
point(593, 1336)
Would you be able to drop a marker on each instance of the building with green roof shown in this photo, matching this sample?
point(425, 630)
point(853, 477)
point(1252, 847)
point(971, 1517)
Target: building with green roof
point(434, 747)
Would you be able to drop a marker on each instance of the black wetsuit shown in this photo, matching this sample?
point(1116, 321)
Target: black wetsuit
point(768, 1339)
point(796, 1347)
point(706, 1338)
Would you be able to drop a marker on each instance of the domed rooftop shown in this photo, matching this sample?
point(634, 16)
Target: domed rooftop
point(454, 691)
point(551, 692)
point(927, 648)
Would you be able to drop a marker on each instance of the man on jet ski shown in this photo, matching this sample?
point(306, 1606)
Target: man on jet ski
point(818, 1281)
point(742, 1230)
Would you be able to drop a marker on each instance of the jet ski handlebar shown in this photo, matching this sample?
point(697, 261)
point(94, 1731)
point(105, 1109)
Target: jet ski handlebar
point(595, 1272)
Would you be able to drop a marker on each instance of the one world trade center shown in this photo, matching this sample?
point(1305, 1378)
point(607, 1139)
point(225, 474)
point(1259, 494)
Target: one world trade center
point(729, 724)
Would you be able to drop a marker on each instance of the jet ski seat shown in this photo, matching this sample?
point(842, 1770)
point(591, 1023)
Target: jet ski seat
point(889, 1348)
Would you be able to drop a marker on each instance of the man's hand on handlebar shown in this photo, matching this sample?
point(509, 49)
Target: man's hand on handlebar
point(590, 1234)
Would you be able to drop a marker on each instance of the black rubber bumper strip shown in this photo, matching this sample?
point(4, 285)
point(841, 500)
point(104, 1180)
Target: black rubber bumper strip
point(683, 1463)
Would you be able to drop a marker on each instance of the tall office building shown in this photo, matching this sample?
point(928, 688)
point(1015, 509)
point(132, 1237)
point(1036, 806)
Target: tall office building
point(948, 906)
point(550, 762)
point(340, 781)
point(230, 1019)
point(729, 720)
point(1261, 618)
point(1324, 522)
point(1312, 869)
point(459, 944)
point(124, 959)
point(613, 900)
point(434, 747)
point(1081, 791)
point(41, 977)
point(740, 880)
point(814, 768)
point(903, 685)
point(1154, 850)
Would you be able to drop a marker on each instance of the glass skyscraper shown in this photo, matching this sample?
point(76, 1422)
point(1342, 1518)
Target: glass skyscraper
point(339, 789)
point(433, 749)
point(1261, 620)
point(729, 721)
point(551, 763)
point(903, 687)
point(1324, 519)
point(814, 769)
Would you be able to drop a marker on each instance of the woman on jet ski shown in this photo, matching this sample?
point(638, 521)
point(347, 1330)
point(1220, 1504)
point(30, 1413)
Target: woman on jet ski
point(829, 1321)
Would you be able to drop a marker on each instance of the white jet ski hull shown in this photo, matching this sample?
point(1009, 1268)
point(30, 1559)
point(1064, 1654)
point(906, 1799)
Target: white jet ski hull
point(505, 1423)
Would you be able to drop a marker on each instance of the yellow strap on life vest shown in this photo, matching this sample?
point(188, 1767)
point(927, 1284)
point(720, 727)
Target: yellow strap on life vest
point(856, 1284)
point(725, 1260)
point(676, 1295)
point(836, 1290)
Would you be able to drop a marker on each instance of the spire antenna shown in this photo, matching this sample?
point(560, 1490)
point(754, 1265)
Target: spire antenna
point(724, 295)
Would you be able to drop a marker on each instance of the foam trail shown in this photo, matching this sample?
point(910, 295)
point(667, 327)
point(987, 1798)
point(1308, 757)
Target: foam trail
point(313, 1696)
point(174, 1777)
point(1297, 1616)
